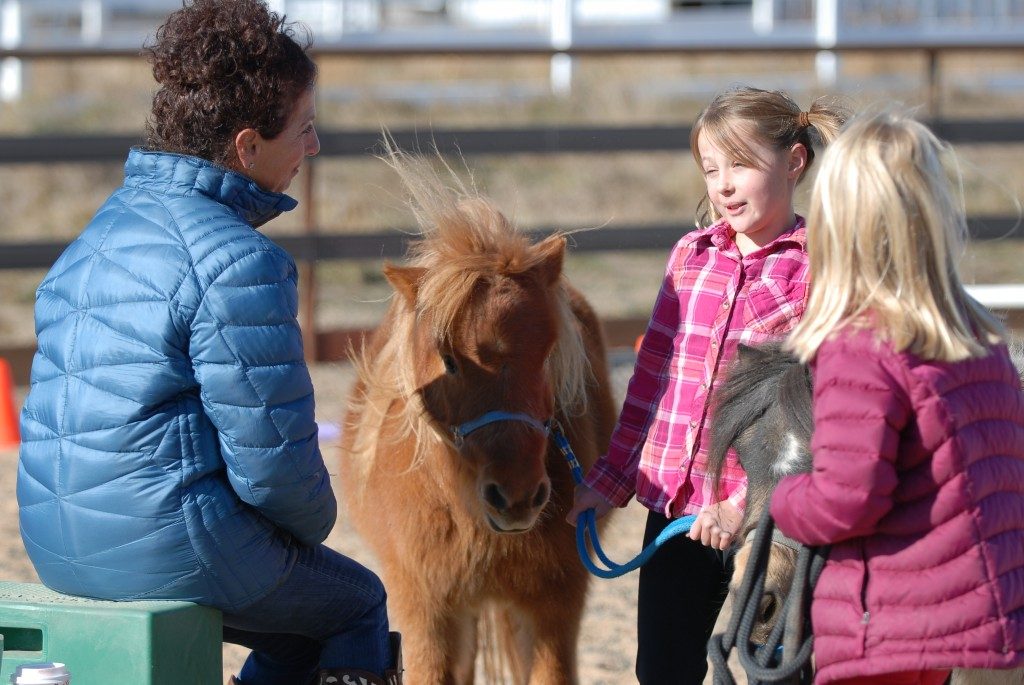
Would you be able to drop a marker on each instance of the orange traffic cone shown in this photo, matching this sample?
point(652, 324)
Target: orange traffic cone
point(9, 437)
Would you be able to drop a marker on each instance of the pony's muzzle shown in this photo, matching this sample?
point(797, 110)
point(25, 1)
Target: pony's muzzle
point(494, 497)
point(514, 511)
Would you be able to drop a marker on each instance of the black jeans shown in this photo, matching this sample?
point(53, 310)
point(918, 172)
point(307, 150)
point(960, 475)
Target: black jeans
point(682, 588)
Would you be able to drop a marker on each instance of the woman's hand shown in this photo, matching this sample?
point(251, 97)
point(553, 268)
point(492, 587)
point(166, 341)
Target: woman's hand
point(587, 498)
point(716, 525)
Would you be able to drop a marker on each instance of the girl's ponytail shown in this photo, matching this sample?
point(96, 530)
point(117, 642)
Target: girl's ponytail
point(817, 127)
point(827, 118)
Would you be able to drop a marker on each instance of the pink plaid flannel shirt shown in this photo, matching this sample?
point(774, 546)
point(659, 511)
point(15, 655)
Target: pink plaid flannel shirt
point(711, 299)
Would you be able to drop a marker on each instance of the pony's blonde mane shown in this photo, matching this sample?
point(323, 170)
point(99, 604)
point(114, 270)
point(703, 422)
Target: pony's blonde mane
point(463, 238)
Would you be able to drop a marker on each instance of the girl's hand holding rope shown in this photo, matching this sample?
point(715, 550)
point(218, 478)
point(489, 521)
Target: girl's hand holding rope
point(587, 498)
point(716, 525)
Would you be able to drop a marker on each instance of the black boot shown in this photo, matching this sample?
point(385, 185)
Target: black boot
point(393, 676)
point(348, 676)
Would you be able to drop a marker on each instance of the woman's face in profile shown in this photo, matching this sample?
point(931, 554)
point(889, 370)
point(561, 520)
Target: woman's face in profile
point(278, 159)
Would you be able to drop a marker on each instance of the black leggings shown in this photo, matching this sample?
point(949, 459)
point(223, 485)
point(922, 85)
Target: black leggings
point(682, 588)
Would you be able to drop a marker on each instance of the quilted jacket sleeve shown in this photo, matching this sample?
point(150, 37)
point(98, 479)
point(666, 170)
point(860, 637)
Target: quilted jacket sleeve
point(859, 412)
point(246, 348)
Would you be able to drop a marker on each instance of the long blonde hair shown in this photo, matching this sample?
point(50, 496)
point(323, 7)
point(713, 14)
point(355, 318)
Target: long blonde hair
point(886, 230)
point(742, 115)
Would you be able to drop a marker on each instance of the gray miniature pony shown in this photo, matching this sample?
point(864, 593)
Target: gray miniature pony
point(764, 411)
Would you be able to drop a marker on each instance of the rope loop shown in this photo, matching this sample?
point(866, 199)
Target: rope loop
point(786, 655)
point(586, 525)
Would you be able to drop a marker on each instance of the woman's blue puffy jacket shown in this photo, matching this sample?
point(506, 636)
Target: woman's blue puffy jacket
point(169, 448)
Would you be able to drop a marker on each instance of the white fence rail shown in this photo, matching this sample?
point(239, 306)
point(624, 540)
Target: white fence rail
point(999, 297)
point(563, 25)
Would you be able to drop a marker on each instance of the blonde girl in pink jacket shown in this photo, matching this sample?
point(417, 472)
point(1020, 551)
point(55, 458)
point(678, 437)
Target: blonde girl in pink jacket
point(918, 473)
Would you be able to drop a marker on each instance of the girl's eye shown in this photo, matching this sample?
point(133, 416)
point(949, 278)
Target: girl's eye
point(708, 172)
point(449, 364)
point(736, 165)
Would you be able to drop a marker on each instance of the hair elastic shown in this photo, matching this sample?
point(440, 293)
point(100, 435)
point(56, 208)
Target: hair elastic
point(803, 120)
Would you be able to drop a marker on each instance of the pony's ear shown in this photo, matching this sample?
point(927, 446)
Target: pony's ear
point(552, 251)
point(405, 280)
point(749, 352)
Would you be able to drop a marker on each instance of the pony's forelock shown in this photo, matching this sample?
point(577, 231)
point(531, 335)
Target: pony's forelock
point(463, 239)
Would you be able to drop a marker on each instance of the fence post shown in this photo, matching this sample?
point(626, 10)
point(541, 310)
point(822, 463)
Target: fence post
point(934, 84)
point(762, 16)
point(10, 37)
point(92, 21)
point(826, 32)
point(307, 268)
point(561, 39)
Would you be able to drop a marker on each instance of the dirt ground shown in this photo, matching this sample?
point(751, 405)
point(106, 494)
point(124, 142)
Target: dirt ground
point(608, 641)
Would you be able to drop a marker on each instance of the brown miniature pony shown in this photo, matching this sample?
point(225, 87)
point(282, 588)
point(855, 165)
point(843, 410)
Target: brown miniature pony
point(447, 467)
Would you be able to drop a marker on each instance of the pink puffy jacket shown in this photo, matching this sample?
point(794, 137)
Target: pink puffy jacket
point(918, 484)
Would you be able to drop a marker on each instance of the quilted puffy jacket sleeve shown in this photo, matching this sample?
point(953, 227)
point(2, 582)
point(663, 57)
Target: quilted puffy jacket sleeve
point(246, 348)
point(860, 409)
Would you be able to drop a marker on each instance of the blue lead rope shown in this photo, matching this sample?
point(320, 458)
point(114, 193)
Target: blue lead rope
point(586, 525)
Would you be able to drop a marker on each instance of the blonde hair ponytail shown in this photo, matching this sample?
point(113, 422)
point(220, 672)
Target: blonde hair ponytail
point(886, 232)
point(827, 117)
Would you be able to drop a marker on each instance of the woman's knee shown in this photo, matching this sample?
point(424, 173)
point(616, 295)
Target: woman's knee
point(369, 611)
point(352, 578)
point(377, 595)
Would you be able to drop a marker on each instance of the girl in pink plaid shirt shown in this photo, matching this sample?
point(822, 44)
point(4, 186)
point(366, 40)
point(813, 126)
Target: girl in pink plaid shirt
point(742, 277)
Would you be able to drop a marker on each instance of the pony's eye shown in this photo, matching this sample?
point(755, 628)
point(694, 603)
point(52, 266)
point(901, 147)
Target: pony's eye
point(449, 364)
point(769, 604)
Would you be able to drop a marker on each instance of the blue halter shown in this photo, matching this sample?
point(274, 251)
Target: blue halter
point(460, 432)
point(586, 528)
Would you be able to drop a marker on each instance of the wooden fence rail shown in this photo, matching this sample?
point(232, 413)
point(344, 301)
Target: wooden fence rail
point(50, 149)
point(319, 245)
point(316, 244)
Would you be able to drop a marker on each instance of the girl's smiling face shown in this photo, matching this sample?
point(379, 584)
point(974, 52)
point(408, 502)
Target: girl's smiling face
point(754, 196)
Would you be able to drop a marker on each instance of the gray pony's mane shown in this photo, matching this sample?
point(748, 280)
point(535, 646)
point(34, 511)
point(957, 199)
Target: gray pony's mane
point(764, 411)
point(764, 402)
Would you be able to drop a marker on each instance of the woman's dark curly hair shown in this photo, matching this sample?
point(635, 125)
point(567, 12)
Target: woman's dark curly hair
point(223, 66)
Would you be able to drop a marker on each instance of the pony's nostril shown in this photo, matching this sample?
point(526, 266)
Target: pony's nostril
point(541, 497)
point(493, 496)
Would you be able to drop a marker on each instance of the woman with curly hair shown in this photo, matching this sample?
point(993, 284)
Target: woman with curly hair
point(170, 449)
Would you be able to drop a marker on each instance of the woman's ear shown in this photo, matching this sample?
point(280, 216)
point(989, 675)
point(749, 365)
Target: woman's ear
point(797, 160)
point(246, 148)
